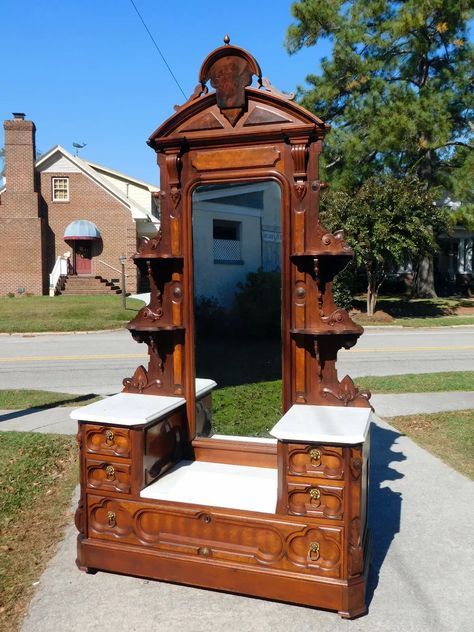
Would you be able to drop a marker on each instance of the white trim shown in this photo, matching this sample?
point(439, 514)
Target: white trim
point(113, 172)
point(137, 211)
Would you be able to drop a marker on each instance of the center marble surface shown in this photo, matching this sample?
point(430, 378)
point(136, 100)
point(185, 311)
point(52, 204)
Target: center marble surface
point(217, 485)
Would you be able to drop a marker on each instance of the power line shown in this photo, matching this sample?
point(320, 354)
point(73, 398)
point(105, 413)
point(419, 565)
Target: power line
point(158, 48)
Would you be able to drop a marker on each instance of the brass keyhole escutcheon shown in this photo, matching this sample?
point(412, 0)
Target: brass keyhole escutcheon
point(315, 455)
point(313, 552)
point(314, 493)
point(111, 518)
point(110, 472)
point(109, 437)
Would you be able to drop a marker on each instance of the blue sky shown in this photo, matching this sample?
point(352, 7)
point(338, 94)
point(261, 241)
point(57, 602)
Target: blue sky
point(87, 71)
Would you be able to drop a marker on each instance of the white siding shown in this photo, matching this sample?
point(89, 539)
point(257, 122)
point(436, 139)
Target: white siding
point(59, 164)
point(138, 194)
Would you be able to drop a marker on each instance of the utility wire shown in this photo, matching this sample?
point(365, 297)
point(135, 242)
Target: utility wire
point(158, 48)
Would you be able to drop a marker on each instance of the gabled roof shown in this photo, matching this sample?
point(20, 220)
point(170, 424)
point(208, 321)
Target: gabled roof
point(89, 169)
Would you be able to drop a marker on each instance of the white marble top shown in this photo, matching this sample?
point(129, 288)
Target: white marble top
point(135, 409)
point(324, 424)
point(217, 485)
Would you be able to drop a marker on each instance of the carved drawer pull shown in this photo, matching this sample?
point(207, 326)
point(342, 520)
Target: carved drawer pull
point(314, 493)
point(109, 472)
point(315, 455)
point(313, 552)
point(204, 551)
point(111, 518)
point(109, 437)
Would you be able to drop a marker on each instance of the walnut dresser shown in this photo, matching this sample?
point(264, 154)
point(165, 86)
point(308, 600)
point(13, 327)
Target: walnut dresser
point(282, 518)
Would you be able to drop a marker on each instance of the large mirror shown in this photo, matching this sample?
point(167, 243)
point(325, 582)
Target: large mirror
point(237, 292)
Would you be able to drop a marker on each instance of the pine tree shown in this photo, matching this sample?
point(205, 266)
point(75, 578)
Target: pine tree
point(397, 89)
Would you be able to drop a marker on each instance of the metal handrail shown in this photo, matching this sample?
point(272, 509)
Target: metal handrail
point(108, 265)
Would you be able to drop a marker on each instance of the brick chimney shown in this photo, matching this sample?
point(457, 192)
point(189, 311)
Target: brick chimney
point(22, 230)
point(20, 198)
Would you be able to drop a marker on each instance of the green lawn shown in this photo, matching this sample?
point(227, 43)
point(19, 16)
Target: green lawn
point(65, 313)
point(24, 398)
point(37, 476)
point(252, 409)
point(448, 435)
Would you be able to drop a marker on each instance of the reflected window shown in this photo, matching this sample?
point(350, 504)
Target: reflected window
point(226, 245)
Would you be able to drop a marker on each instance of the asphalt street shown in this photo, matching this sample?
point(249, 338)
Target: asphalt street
point(98, 362)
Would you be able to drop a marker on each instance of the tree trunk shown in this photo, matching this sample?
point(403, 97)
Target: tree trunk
point(424, 279)
point(372, 292)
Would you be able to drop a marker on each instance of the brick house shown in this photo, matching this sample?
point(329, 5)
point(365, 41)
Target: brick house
point(62, 204)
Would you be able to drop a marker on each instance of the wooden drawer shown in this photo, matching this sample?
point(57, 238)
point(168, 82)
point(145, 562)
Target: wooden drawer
point(316, 461)
point(241, 539)
point(313, 498)
point(108, 476)
point(107, 440)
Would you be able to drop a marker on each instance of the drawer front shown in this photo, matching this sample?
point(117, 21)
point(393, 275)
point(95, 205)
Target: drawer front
point(315, 499)
point(107, 440)
point(108, 476)
point(316, 461)
point(288, 545)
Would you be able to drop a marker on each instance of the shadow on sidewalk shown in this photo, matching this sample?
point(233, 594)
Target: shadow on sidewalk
point(14, 414)
point(384, 504)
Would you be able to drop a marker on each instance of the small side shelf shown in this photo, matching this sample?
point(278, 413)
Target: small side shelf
point(328, 331)
point(154, 328)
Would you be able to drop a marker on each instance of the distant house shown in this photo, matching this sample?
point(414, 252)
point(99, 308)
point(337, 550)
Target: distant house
point(236, 230)
point(62, 204)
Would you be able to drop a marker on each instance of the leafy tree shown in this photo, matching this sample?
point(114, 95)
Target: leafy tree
point(378, 227)
point(398, 89)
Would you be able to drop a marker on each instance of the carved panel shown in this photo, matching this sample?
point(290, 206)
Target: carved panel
point(186, 531)
point(264, 116)
point(205, 122)
point(219, 159)
point(311, 499)
point(317, 548)
point(107, 440)
point(315, 461)
point(356, 553)
point(108, 476)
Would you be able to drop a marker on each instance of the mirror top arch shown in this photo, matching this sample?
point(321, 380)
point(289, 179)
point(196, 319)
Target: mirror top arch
point(233, 108)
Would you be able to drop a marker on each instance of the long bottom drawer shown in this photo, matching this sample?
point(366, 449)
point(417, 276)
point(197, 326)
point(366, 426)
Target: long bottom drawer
point(287, 544)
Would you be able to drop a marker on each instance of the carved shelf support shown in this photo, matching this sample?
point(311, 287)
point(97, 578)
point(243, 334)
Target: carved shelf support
point(347, 393)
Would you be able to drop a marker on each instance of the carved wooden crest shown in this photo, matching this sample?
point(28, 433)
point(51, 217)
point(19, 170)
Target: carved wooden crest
point(230, 70)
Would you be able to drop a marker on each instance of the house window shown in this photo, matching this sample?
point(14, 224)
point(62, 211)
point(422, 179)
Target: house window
point(60, 188)
point(226, 244)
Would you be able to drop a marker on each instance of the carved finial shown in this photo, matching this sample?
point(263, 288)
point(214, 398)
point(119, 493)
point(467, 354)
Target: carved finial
point(226, 40)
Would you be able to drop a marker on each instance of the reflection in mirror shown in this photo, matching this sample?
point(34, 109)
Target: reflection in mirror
point(237, 292)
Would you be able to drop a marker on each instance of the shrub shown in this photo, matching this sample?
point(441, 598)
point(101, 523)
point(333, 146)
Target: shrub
point(257, 306)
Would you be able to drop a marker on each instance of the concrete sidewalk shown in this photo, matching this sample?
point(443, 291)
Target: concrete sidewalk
point(57, 419)
point(421, 517)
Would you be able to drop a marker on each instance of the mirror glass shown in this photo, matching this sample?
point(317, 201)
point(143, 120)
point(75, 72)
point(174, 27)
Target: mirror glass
point(237, 291)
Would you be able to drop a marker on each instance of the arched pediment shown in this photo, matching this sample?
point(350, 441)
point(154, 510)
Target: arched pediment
point(235, 108)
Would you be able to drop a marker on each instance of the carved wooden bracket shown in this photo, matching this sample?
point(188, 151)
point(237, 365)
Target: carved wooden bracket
point(346, 393)
point(299, 153)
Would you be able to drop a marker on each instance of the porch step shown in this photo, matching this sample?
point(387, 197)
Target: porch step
point(84, 285)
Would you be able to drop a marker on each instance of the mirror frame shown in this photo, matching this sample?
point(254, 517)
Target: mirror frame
point(241, 133)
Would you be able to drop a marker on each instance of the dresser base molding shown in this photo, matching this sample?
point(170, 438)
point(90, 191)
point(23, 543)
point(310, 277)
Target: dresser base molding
point(346, 597)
